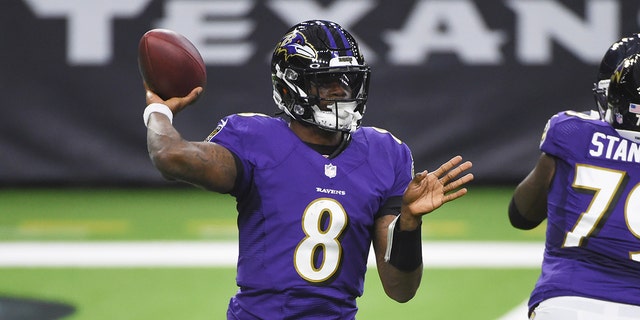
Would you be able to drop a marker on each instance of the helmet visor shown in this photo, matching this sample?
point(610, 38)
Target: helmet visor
point(345, 84)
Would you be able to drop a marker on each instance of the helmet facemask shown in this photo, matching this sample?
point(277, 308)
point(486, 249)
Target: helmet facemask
point(600, 94)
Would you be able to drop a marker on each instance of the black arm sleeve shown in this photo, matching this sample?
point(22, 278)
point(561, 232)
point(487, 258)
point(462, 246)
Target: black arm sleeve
point(391, 207)
point(517, 220)
point(239, 173)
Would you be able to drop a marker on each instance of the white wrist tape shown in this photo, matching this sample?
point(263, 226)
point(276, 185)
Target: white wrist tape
point(391, 228)
point(156, 107)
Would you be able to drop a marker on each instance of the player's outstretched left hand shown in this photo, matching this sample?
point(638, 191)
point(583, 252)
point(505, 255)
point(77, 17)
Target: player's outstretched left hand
point(430, 190)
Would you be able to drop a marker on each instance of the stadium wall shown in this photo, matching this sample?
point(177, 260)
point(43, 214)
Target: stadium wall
point(476, 78)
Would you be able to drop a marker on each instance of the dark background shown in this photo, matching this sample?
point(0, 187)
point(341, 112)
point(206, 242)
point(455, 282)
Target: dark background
point(65, 123)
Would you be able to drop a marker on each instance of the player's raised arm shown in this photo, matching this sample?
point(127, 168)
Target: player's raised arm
point(174, 76)
point(204, 164)
point(398, 240)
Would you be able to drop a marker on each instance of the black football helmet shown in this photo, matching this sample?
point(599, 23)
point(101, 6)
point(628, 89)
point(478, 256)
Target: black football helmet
point(313, 53)
point(623, 96)
point(615, 54)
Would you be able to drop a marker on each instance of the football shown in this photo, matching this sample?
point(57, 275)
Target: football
point(170, 64)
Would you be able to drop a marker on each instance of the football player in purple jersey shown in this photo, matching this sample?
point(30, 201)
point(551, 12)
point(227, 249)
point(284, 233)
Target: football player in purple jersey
point(314, 189)
point(585, 184)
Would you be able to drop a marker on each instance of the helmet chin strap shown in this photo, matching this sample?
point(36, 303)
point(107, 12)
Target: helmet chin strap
point(346, 139)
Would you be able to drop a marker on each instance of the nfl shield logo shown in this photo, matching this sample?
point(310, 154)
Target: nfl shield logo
point(330, 170)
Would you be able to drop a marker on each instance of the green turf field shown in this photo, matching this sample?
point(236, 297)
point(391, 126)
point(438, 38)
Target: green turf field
point(190, 293)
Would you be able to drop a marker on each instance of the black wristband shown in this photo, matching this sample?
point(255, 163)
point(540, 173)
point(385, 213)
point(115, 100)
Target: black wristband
point(406, 249)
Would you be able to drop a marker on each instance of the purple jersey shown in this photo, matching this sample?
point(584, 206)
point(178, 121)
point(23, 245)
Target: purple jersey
point(305, 221)
point(593, 228)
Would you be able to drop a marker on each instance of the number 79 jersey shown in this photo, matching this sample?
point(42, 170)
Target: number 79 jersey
point(305, 221)
point(593, 229)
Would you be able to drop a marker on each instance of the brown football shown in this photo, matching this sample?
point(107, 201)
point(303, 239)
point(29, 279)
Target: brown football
point(170, 64)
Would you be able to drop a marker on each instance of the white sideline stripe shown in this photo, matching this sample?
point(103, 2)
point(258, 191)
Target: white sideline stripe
point(454, 254)
point(519, 312)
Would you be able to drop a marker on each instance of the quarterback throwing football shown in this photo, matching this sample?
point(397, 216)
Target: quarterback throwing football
point(314, 188)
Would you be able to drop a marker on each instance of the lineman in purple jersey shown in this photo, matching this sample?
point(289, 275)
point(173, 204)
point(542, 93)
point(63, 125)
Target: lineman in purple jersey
point(314, 188)
point(586, 185)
